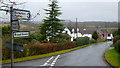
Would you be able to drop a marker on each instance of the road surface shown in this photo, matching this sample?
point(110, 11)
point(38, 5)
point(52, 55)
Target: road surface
point(88, 56)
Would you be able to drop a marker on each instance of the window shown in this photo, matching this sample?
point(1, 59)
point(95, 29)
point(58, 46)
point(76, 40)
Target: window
point(66, 32)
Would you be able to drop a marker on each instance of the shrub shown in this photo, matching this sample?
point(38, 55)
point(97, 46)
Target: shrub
point(52, 47)
point(115, 39)
point(5, 53)
point(93, 41)
point(101, 40)
point(117, 46)
point(31, 49)
point(21, 40)
point(116, 33)
point(5, 30)
point(95, 35)
point(61, 38)
point(36, 36)
point(82, 41)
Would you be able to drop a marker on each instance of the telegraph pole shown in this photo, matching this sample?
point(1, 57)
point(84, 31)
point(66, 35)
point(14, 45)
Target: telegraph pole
point(70, 23)
point(76, 29)
point(11, 38)
point(106, 30)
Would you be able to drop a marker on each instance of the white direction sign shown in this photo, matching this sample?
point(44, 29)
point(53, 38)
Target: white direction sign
point(21, 14)
point(21, 34)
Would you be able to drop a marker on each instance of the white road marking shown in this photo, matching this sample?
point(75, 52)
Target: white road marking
point(50, 59)
point(46, 63)
point(53, 63)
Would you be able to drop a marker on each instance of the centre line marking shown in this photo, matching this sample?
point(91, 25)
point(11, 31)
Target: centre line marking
point(54, 61)
point(46, 63)
point(50, 59)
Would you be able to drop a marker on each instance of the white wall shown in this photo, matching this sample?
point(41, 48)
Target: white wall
point(73, 35)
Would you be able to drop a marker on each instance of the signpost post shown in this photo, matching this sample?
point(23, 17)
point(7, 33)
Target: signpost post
point(15, 25)
point(11, 38)
point(15, 16)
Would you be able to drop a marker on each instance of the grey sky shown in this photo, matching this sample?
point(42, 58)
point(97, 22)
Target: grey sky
point(84, 11)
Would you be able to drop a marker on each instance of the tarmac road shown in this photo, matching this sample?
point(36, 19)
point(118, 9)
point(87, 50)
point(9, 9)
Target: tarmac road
point(88, 56)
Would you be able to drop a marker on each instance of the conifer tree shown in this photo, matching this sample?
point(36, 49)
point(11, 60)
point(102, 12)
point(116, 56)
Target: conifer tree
point(52, 27)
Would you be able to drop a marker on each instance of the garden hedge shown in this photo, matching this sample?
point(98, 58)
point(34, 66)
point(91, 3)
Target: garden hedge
point(31, 49)
point(82, 41)
point(117, 46)
point(115, 39)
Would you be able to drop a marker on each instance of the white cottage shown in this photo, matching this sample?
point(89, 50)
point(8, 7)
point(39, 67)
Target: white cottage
point(74, 33)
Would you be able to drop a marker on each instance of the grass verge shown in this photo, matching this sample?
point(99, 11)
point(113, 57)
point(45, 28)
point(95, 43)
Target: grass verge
point(112, 57)
point(45, 55)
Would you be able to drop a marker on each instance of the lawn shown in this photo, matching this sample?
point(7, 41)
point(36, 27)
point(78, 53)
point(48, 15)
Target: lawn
point(112, 57)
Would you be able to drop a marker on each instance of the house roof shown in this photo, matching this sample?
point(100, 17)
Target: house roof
point(99, 31)
point(88, 31)
point(70, 28)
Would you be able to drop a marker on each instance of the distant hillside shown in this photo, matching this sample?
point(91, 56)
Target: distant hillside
point(67, 23)
point(34, 26)
point(92, 23)
point(109, 26)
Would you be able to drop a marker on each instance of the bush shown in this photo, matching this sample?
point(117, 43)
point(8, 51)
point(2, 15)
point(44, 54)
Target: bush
point(115, 39)
point(35, 37)
point(31, 49)
point(61, 38)
point(21, 40)
point(116, 33)
point(5, 30)
point(117, 46)
point(93, 41)
point(5, 53)
point(95, 35)
point(52, 47)
point(101, 40)
point(82, 41)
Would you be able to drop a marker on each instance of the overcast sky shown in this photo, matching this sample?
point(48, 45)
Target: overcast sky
point(84, 10)
point(71, 0)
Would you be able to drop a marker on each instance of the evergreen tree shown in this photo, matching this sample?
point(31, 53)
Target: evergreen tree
point(95, 35)
point(52, 27)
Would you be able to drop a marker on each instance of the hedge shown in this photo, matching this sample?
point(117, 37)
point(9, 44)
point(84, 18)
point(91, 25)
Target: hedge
point(117, 46)
point(82, 41)
point(93, 41)
point(31, 49)
point(115, 39)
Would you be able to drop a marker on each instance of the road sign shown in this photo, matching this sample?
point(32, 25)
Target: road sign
point(15, 25)
point(21, 34)
point(17, 46)
point(21, 14)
